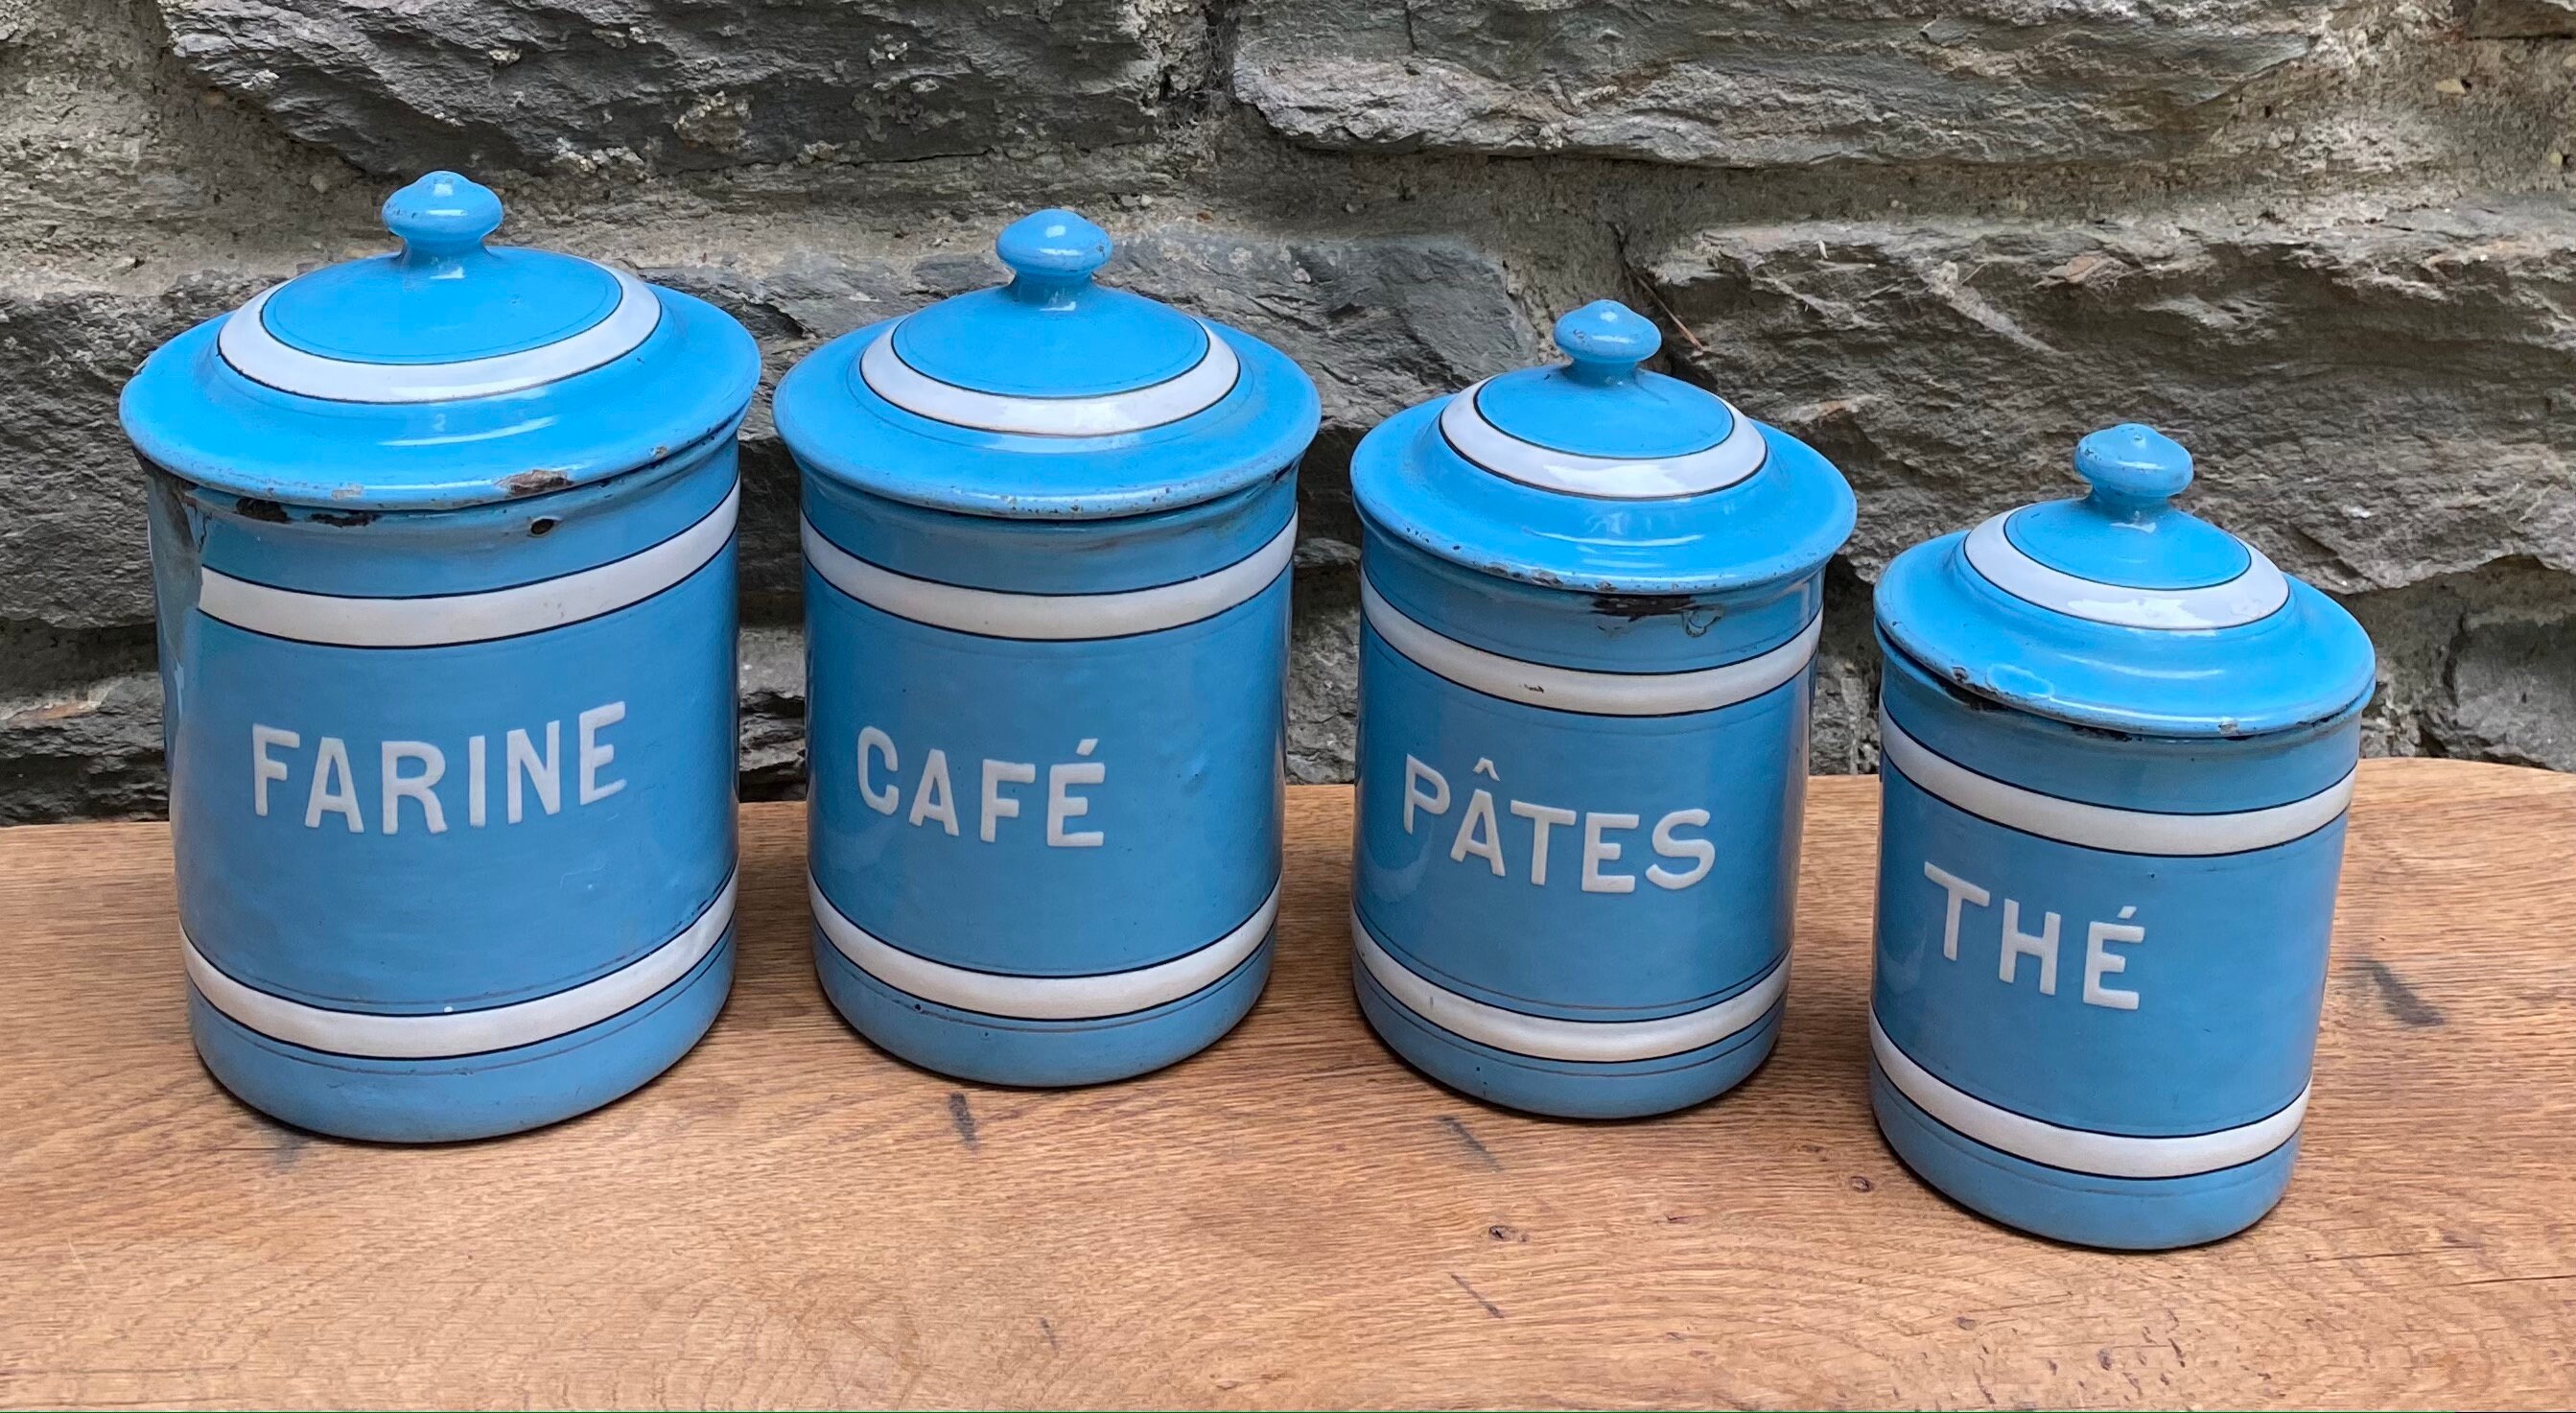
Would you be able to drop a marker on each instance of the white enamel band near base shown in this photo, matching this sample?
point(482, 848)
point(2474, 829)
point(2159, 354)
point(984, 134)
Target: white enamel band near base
point(440, 620)
point(1204, 385)
point(999, 613)
point(2256, 594)
point(2116, 1155)
point(1057, 998)
point(446, 1034)
point(1553, 1038)
point(2101, 826)
point(1572, 689)
point(261, 356)
point(1737, 455)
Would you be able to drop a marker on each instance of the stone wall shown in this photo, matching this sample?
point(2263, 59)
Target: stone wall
point(2328, 243)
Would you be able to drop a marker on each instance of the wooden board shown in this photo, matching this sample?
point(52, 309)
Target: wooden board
point(1293, 1218)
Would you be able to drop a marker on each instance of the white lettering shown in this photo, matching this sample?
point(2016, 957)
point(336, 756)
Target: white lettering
point(932, 798)
point(997, 806)
point(1477, 833)
point(546, 776)
point(263, 768)
point(1960, 891)
point(595, 755)
point(398, 787)
point(1415, 774)
point(872, 739)
point(2019, 944)
point(475, 790)
point(1062, 805)
point(1541, 818)
point(1598, 851)
point(2099, 963)
point(1702, 853)
point(331, 762)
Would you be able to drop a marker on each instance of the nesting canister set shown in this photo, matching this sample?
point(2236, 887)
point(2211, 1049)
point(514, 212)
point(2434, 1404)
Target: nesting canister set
point(443, 544)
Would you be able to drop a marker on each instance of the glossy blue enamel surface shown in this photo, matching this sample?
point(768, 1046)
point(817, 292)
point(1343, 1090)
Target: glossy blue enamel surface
point(191, 413)
point(445, 296)
point(2168, 774)
point(840, 429)
point(2307, 663)
point(2125, 529)
point(469, 1096)
point(2119, 1214)
point(1782, 522)
point(1564, 1088)
point(1038, 1054)
point(1599, 402)
point(1052, 331)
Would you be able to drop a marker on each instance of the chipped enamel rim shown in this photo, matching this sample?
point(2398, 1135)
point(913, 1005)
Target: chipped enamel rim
point(1738, 455)
point(1201, 387)
point(246, 343)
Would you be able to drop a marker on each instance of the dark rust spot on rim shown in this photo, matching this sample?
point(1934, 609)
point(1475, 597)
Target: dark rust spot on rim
point(265, 510)
point(533, 483)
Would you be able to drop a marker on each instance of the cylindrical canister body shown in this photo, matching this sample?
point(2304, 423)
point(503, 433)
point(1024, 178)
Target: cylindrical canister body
point(2101, 953)
point(1579, 806)
point(1048, 530)
point(451, 777)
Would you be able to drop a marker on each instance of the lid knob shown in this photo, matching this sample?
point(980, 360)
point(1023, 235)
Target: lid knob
point(441, 217)
point(1607, 340)
point(1051, 253)
point(2132, 468)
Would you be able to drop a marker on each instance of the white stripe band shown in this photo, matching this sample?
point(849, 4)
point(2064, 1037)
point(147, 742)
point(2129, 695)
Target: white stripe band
point(2255, 594)
point(257, 354)
point(1203, 386)
point(1552, 1038)
point(2101, 826)
point(1540, 684)
point(2117, 1155)
point(439, 1036)
point(999, 613)
point(1114, 993)
point(340, 621)
point(1738, 455)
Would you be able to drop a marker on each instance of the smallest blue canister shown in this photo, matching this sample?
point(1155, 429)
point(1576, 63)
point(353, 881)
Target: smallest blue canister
point(2118, 746)
point(1591, 599)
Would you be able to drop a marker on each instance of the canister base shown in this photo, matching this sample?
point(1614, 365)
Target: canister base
point(1567, 1089)
point(1038, 1054)
point(468, 1096)
point(2120, 1214)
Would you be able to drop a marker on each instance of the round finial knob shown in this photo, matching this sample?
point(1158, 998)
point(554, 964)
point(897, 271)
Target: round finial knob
point(1607, 340)
point(2132, 466)
point(1052, 249)
point(442, 216)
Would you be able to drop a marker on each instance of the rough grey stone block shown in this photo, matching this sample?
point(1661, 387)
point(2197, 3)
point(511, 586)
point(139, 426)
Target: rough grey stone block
point(1745, 83)
point(2374, 402)
point(660, 84)
point(2517, 19)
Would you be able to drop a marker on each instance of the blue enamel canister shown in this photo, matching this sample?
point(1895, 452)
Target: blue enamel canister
point(1590, 600)
point(1047, 533)
point(2117, 748)
point(442, 542)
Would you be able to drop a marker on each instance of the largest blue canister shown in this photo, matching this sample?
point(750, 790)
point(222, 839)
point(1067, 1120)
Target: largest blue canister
point(443, 546)
point(2117, 745)
point(1591, 596)
point(1047, 535)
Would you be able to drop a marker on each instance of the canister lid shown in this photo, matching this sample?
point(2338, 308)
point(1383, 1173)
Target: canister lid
point(1597, 475)
point(2119, 610)
point(448, 372)
point(1049, 396)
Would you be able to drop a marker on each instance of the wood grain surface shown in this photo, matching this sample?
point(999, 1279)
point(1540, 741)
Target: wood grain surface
point(1293, 1218)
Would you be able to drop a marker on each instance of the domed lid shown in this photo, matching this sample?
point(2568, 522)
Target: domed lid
point(1049, 396)
point(444, 373)
point(1596, 475)
point(2117, 609)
